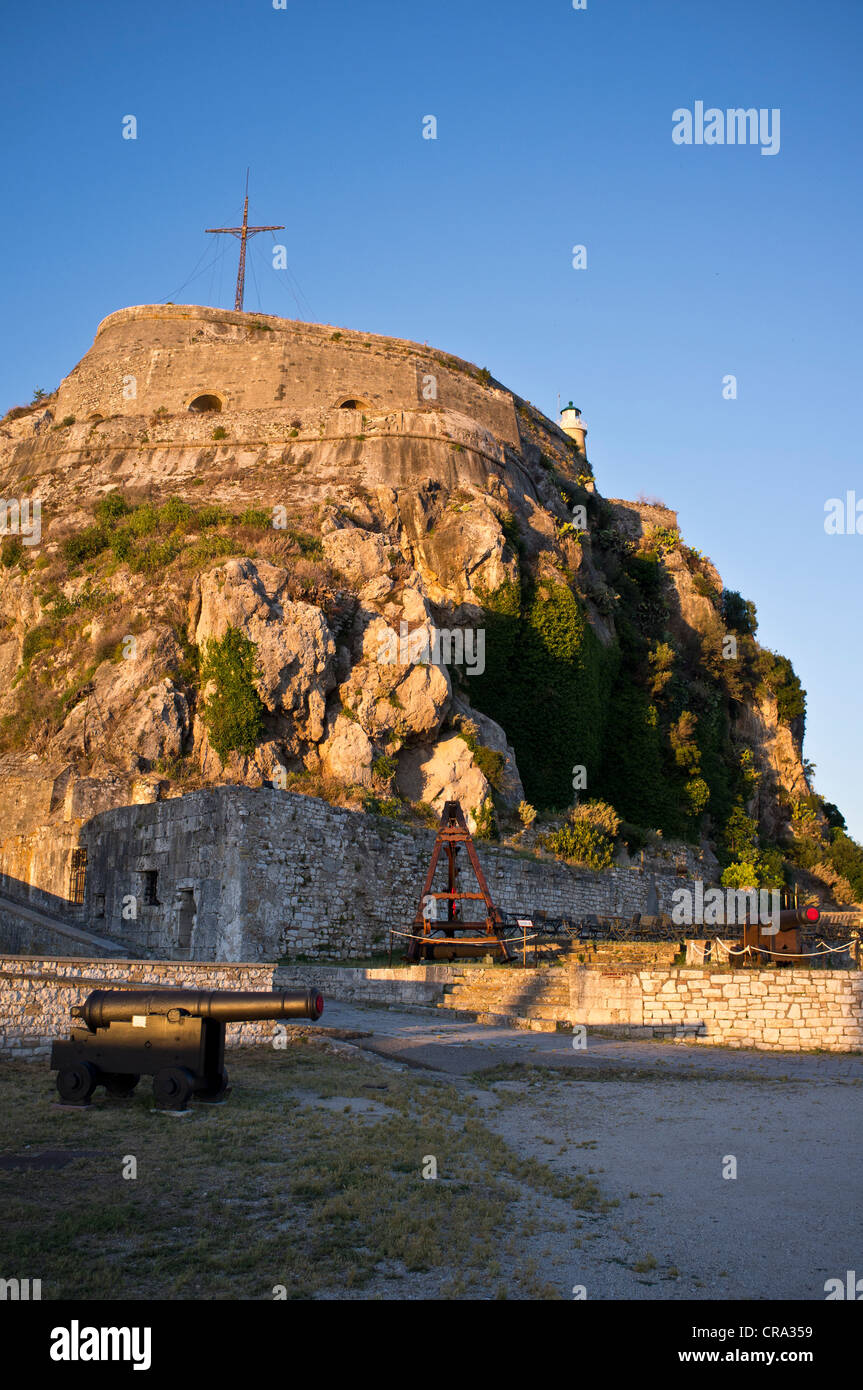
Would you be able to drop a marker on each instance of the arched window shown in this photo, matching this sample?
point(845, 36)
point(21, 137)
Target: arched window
point(202, 403)
point(352, 404)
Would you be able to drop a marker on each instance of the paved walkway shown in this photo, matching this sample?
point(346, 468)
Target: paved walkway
point(428, 1038)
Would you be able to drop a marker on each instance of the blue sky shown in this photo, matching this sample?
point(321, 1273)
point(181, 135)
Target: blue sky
point(554, 129)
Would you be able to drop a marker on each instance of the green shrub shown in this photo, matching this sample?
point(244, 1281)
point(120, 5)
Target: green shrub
point(782, 681)
point(582, 842)
point(256, 516)
point(86, 544)
point(745, 873)
point(384, 767)
point(635, 837)
point(174, 512)
point(391, 806)
point(220, 432)
point(696, 794)
point(490, 762)
point(598, 813)
point(846, 856)
point(739, 613)
point(143, 520)
point(233, 712)
point(212, 515)
point(39, 639)
point(11, 551)
point(210, 548)
point(111, 507)
point(309, 546)
point(589, 836)
point(662, 539)
point(154, 556)
point(122, 544)
point(486, 821)
point(702, 585)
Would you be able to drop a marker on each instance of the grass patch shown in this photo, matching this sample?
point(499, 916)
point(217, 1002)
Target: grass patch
point(269, 1189)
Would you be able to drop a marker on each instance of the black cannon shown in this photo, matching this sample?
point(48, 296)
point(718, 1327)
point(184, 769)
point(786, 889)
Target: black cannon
point(177, 1036)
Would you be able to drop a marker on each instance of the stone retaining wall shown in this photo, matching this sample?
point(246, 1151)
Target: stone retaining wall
point(774, 1010)
point(37, 992)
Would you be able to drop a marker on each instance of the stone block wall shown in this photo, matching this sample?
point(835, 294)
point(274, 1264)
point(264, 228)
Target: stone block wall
point(252, 362)
point(772, 1010)
point(269, 874)
point(37, 992)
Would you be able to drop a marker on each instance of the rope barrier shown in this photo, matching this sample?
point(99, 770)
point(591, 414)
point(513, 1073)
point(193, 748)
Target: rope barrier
point(428, 937)
point(781, 955)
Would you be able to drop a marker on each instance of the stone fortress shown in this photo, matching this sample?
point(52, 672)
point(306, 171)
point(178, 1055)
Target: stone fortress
point(415, 463)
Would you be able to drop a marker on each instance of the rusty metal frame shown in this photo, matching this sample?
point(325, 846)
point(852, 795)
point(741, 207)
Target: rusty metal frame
point(453, 833)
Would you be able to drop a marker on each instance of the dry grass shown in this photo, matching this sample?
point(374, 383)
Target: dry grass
point(270, 1189)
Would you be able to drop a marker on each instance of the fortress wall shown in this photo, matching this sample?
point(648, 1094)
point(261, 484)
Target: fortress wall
point(271, 873)
point(787, 1011)
point(330, 451)
point(35, 867)
point(175, 353)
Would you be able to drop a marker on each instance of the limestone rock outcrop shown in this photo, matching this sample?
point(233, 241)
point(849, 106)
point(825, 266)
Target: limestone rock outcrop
point(441, 772)
point(295, 648)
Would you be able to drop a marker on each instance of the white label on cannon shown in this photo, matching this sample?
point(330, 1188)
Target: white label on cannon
point(139, 1020)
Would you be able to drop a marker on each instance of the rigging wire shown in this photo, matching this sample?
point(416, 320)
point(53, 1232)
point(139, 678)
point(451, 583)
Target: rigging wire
point(169, 298)
point(292, 290)
point(251, 261)
point(196, 274)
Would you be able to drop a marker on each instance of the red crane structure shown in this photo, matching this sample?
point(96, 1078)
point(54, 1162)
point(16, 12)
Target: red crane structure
point(451, 935)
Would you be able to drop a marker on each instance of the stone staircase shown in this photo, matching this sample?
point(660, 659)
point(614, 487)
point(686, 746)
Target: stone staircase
point(536, 1000)
point(26, 930)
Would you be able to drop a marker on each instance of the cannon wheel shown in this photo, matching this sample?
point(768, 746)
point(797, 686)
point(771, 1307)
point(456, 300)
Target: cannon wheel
point(172, 1087)
point(76, 1084)
point(214, 1089)
point(119, 1083)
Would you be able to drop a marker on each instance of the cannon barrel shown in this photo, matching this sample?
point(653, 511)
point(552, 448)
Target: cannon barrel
point(106, 1006)
point(798, 917)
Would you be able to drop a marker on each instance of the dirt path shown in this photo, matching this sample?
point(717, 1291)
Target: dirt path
point(658, 1124)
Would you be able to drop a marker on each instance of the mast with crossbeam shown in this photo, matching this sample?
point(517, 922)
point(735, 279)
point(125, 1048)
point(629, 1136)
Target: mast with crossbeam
point(243, 232)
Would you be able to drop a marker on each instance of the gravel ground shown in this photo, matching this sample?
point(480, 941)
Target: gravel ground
point(656, 1124)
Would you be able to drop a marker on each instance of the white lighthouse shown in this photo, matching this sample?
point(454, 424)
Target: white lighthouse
point(571, 423)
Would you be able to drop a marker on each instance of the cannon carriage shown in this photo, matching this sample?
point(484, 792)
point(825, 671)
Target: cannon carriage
point(177, 1036)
